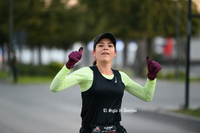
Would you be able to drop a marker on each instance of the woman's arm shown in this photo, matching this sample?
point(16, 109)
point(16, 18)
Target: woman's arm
point(58, 82)
point(61, 80)
point(64, 80)
point(144, 93)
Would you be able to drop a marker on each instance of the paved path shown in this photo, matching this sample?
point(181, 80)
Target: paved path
point(35, 109)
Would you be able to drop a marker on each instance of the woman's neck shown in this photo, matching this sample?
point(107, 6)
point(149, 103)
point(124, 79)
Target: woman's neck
point(104, 68)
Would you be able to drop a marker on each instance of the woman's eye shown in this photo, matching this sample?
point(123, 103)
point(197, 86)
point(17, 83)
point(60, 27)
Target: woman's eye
point(100, 45)
point(110, 46)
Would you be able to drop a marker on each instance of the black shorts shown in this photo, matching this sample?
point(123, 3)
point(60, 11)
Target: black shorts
point(120, 129)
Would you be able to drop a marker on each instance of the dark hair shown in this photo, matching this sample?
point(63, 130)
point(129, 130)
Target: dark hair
point(94, 63)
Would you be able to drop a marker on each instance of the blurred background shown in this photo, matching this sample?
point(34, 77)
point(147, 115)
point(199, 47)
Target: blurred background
point(36, 36)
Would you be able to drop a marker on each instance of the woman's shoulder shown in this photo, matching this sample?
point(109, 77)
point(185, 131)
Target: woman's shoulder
point(125, 78)
point(86, 68)
point(123, 74)
point(83, 70)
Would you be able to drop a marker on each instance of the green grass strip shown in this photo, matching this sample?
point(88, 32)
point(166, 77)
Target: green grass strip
point(191, 112)
point(33, 80)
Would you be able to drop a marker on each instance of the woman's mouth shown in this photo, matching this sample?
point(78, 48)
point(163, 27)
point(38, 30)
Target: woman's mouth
point(105, 53)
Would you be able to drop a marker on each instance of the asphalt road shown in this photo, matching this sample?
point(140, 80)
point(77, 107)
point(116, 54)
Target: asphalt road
point(35, 109)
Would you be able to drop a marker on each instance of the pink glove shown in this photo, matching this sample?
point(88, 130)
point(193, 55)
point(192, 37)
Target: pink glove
point(74, 57)
point(153, 68)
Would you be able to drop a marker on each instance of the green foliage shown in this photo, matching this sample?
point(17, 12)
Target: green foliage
point(136, 19)
point(4, 24)
point(56, 25)
point(53, 68)
point(51, 25)
point(3, 74)
point(171, 75)
point(34, 79)
point(191, 112)
point(47, 70)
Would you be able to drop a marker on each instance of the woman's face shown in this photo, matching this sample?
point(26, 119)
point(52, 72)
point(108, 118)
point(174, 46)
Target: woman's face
point(104, 51)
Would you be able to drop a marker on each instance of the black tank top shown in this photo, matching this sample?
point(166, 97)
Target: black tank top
point(101, 104)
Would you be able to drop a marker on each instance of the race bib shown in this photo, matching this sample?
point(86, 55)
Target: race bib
point(104, 129)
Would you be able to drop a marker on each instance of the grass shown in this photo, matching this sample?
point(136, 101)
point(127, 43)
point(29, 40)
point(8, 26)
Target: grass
point(171, 76)
point(3, 75)
point(34, 79)
point(26, 79)
point(190, 112)
point(47, 79)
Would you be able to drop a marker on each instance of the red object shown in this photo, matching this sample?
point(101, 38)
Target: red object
point(168, 48)
point(97, 129)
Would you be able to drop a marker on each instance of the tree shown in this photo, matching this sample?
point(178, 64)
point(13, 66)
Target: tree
point(48, 26)
point(52, 25)
point(56, 25)
point(4, 25)
point(136, 19)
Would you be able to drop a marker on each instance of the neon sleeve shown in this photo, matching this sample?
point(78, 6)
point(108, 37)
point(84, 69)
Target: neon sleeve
point(144, 93)
point(64, 80)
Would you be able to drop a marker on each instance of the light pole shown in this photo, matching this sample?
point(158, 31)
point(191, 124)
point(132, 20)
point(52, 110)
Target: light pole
point(189, 16)
point(177, 39)
point(10, 44)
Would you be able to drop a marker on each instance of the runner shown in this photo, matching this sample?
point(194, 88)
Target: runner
point(102, 87)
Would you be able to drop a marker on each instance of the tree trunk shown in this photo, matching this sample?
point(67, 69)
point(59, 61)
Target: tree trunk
point(140, 61)
point(149, 47)
point(125, 54)
point(65, 56)
point(20, 54)
point(40, 54)
point(32, 55)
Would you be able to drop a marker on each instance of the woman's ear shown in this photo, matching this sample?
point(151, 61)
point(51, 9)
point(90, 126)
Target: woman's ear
point(93, 52)
point(115, 54)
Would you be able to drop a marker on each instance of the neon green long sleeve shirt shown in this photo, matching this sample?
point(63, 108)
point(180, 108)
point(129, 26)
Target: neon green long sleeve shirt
point(84, 78)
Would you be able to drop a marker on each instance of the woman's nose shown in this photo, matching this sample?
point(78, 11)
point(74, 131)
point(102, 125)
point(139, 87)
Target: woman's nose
point(105, 47)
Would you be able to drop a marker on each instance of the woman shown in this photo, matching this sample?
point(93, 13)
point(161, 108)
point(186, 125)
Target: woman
point(102, 87)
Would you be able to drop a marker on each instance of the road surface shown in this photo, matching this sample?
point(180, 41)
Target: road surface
point(35, 109)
